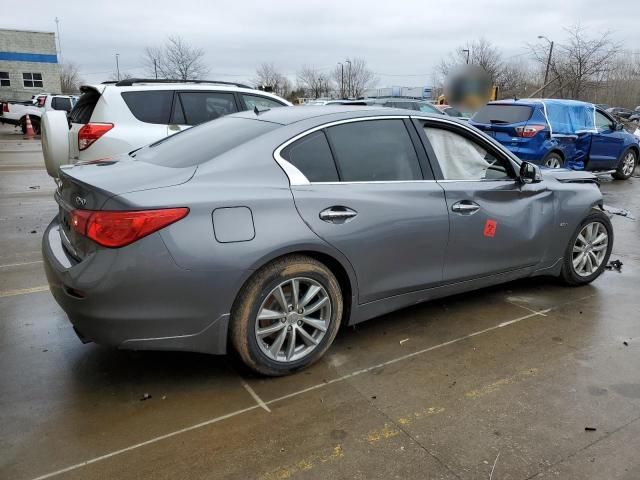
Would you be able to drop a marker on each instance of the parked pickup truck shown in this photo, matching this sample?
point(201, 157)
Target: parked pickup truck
point(15, 113)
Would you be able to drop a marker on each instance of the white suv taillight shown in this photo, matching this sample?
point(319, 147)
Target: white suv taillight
point(91, 132)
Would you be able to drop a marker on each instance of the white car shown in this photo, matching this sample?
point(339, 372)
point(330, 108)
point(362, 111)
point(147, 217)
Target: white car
point(115, 118)
point(15, 113)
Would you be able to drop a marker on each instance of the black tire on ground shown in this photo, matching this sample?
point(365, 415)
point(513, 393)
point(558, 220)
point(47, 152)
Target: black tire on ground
point(553, 160)
point(620, 174)
point(247, 305)
point(568, 273)
point(23, 126)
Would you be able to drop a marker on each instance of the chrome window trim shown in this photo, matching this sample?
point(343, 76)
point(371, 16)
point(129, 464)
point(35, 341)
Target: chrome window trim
point(297, 178)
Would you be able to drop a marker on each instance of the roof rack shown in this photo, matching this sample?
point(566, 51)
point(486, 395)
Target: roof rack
point(131, 81)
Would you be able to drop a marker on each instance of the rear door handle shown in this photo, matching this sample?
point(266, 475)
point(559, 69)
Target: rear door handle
point(465, 207)
point(337, 214)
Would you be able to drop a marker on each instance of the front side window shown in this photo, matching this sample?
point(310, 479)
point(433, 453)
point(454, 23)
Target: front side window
point(252, 101)
point(461, 158)
point(32, 80)
point(200, 107)
point(602, 122)
point(374, 150)
point(312, 156)
point(150, 106)
point(4, 79)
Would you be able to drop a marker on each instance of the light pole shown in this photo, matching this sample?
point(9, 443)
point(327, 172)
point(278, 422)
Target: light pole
point(467, 51)
point(117, 66)
point(341, 79)
point(348, 79)
point(546, 73)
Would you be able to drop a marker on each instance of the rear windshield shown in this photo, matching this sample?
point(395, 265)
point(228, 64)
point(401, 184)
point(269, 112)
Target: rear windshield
point(199, 144)
point(502, 113)
point(83, 110)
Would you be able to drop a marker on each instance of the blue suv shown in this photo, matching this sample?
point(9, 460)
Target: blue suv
point(561, 133)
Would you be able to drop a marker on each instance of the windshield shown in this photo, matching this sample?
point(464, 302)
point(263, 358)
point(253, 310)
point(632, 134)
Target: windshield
point(199, 144)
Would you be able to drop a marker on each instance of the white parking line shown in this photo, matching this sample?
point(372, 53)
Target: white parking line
point(255, 396)
point(23, 291)
point(19, 264)
point(290, 395)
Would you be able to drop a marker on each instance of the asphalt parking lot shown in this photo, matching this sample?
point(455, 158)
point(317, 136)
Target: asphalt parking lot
point(526, 380)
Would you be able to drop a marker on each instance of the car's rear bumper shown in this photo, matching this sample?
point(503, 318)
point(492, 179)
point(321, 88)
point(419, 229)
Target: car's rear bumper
point(138, 298)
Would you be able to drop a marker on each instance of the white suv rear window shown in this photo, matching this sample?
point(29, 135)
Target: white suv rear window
point(151, 106)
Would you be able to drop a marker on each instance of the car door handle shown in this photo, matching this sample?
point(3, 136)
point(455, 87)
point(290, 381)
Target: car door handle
point(465, 207)
point(337, 214)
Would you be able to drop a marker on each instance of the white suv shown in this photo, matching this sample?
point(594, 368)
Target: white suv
point(114, 118)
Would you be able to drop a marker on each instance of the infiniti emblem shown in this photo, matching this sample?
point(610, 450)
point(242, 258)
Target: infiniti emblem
point(79, 201)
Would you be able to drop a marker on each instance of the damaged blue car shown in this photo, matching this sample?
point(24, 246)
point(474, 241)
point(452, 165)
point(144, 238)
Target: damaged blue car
point(561, 134)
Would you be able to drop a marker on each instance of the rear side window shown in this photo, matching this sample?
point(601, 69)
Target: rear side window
point(83, 109)
point(151, 106)
point(312, 156)
point(193, 108)
point(60, 103)
point(503, 114)
point(197, 145)
point(374, 150)
point(252, 101)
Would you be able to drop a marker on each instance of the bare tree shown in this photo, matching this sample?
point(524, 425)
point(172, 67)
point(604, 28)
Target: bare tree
point(580, 64)
point(353, 77)
point(267, 75)
point(123, 76)
point(315, 83)
point(175, 60)
point(481, 53)
point(70, 78)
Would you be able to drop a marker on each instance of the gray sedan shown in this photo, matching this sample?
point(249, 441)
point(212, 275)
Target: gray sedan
point(266, 231)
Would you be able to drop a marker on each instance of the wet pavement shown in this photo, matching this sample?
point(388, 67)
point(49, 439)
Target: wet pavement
point(505, 379)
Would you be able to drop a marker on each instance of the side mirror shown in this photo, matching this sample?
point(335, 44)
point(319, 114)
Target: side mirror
point(619, 127)
point(529, 173)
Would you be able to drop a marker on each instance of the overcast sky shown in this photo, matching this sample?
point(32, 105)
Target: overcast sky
point(402, 41)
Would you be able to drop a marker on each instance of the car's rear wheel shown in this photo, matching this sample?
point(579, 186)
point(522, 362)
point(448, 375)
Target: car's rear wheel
point(589, 249)
point(286, 316)
point(553, 160)
point(626, 166)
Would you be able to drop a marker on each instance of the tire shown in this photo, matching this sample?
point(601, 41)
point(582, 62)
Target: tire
point(553, 160)
point(572, 275)
point(23, 125)
point(627, 165)
point(260, 295)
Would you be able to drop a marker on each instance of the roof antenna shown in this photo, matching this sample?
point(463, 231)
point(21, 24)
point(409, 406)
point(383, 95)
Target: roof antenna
point(258, 111)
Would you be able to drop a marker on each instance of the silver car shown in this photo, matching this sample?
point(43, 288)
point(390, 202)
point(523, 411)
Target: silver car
point(266, 231)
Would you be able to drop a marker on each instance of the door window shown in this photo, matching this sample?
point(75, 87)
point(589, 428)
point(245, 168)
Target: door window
point(60, 103)
point(252, 101)
point(312, 156)
point(602, 122)
point(461, 158)
point(374, 150)
point(200, 107)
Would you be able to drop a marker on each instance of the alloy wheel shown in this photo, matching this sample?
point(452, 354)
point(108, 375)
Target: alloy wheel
point(590, 249)
point(553, 162)
point(293, 319)
point(628, 164)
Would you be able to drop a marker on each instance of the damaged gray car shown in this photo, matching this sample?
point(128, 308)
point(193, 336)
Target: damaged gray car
point(265, 231)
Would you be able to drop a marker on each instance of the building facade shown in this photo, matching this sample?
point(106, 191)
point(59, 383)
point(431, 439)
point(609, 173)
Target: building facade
point(28, 64)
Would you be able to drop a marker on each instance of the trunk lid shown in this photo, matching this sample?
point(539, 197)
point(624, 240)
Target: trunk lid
point(89, 186)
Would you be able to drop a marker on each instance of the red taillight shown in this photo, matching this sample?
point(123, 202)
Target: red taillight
point(5, 107)
point(529, 131)
point(115, 229)
point(91, 132)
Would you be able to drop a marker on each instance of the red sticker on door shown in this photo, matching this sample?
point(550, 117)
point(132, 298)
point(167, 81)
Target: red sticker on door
point(490, 228)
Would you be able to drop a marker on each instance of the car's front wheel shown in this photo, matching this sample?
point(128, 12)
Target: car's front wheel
point(286, 316)
point(626, 166)
point(589, 249)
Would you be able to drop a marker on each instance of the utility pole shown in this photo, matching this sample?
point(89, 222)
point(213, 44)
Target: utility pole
point(466, 50)
point(348, 79)
point(546, 73)
point(341, 79)
point(59, 44)
point(155, 67)
point(117, 66)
